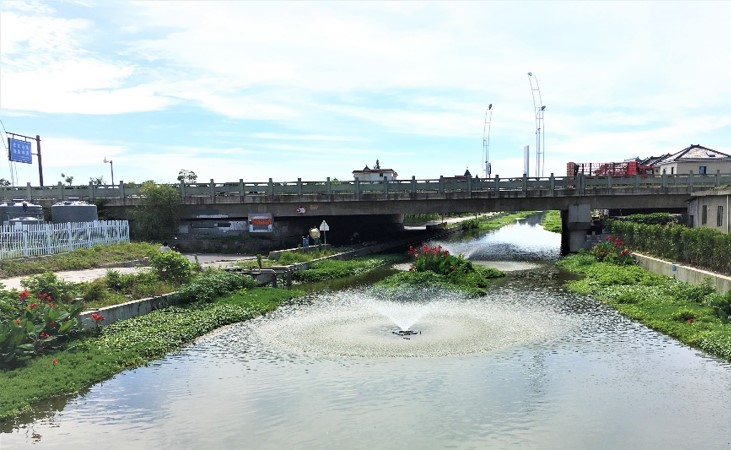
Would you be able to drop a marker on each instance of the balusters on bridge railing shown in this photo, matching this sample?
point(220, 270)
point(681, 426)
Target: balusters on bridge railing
point(552, 185)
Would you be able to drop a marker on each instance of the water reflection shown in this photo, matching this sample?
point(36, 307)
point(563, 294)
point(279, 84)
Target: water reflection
point(530, 366)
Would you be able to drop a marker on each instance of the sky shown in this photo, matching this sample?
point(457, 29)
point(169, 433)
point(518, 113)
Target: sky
point(285, 90)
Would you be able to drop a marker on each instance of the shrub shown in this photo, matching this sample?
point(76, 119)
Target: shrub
point(114, 281)
point(613, 251)
point(43, 326)
point(48, 284)
point(94, 291)
point(213, 283)
point(437, 260)
point(171, 266)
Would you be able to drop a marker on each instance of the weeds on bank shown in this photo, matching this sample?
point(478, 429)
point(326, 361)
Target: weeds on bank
point(552, 221)
point(694, 314)
point(85, 258)
point(330, 269)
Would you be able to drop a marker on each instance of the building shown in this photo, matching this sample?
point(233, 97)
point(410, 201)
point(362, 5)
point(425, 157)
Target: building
point(710, 209)
point(375, 174)
point(696, 158)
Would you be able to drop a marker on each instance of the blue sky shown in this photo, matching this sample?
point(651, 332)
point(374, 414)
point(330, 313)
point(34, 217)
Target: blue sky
point(257, 90)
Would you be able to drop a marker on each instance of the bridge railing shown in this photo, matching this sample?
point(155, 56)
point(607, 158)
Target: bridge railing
point(363, 189)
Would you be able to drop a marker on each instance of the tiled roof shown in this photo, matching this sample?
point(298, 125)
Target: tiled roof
point(694, 152)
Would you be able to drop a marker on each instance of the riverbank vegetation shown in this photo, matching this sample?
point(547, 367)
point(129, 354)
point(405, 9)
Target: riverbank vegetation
point(83, 258)
point(551, 221)
point(694, 314)
point(96, 356)
point(330, 269)
point(493, 222)
point(699, 247)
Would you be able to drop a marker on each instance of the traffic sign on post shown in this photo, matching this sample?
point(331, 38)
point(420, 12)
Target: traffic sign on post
point(324, 227)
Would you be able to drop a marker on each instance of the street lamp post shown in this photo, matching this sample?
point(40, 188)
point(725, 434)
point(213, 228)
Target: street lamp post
point(539, 108)
point(111, 167)
point(486, 142)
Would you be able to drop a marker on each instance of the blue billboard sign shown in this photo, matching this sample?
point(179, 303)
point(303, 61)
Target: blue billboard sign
point(20, 151)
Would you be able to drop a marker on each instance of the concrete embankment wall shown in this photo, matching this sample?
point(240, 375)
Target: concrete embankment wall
point(722, 283)
point(127, 310)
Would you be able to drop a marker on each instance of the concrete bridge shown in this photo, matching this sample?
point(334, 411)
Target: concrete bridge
point(363, 201)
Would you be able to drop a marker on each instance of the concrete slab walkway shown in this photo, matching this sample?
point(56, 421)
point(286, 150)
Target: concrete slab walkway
point(78, 276)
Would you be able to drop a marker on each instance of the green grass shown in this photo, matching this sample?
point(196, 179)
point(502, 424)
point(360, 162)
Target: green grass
point(126, 344)
point(86, 258)
point(331, 269)
point(660, 302)
point(552, 221)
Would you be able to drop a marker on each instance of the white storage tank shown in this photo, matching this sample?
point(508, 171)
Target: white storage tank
point(73, 211)
point(20, 209)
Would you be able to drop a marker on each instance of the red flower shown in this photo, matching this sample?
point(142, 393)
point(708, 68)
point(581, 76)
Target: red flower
point(50, 304)
point(97, 317)
point(32, 306)
point(55, 361)
point(23, 295)
point(17, 321)
point(43, 335)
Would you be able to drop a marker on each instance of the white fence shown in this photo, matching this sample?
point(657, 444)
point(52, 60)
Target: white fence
point(45, 239)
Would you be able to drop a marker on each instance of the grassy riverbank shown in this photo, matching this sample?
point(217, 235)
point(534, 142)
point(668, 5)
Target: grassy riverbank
point(552, 221)
point(85, 258)
point(695, 315)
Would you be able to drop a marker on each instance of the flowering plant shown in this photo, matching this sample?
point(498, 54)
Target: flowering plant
point(613, 251)
point(437, 260)
point(41, 326)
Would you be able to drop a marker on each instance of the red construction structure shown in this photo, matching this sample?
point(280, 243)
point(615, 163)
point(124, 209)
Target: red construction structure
point(612, 169)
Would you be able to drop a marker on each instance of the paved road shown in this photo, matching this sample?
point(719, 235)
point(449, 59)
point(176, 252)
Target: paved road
point(77, 276)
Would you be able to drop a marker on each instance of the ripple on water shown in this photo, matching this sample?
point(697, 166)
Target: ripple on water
point(360, 324)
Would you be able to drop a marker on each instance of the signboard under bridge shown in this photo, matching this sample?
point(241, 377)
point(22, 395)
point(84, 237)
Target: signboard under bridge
point(261, 223)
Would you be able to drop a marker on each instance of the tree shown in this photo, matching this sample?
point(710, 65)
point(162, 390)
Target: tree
point(4, 182)
point(157, 218)
point(187, 176)
point(68, 179)
point(97, 181)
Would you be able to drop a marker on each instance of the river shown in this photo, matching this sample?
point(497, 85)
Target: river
point(530, 366)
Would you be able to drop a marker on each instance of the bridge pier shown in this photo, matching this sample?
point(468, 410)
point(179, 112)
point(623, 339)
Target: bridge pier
point(576, 221)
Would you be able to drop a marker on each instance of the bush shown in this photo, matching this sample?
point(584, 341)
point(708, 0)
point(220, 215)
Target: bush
point(651, 219)
point(213, 283)
point(171, 266)
point(45, 323)
point(613, 251)
point(48, 284)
